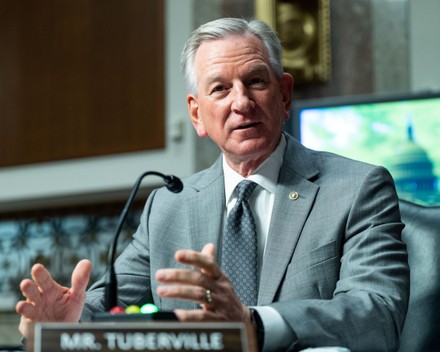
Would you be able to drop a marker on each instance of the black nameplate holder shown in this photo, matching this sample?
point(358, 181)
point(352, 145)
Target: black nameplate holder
point(141, 335)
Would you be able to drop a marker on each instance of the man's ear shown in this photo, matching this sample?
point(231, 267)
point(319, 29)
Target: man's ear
point(196, 120)
point(286, 87)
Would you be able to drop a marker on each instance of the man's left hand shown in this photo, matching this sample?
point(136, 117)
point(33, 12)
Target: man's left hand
point(205, 284)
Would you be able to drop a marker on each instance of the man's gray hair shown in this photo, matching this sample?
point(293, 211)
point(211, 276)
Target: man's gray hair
point(220, 29)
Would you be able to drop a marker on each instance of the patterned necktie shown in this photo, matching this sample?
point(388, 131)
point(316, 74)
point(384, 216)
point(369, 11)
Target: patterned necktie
point(239, 252)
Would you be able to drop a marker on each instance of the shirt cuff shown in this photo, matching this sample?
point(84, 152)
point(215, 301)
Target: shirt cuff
point(277, 333)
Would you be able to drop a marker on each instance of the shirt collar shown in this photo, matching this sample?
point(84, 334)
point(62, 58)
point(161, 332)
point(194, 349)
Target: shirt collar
point(266, 175)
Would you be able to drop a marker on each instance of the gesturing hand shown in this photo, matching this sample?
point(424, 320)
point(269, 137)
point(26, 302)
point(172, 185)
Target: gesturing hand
point(206, 284)
point(48, 301)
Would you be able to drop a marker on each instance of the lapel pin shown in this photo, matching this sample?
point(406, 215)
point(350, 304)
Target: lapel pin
point(293, 195)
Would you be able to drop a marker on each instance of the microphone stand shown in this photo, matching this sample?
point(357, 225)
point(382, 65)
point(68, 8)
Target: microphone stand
point(173, 184)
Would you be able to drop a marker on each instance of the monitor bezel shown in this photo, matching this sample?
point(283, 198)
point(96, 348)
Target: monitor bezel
point(293, 125)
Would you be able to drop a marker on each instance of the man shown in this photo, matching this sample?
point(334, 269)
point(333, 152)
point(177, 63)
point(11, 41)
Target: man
point(331, 267)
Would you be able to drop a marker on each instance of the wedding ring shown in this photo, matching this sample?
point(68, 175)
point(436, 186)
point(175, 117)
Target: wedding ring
point(208, 296)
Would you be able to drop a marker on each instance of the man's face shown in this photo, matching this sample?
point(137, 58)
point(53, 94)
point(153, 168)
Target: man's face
point(241, 105)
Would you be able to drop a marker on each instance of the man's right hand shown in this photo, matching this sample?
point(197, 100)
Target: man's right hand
point(48, 301)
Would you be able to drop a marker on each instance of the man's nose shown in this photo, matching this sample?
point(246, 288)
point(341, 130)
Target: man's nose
point(242, 100)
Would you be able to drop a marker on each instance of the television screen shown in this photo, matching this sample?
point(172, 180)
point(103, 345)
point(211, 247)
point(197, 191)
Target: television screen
point(401, 133)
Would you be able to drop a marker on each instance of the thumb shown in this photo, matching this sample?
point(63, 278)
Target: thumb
point(81, 276)
point(209, 249)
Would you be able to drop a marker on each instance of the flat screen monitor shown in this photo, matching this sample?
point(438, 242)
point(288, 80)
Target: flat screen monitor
point(400, 132)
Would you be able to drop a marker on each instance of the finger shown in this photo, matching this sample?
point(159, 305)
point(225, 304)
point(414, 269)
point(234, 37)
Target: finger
point(183, 276)
point(30, 290)
point(214, 271)
point(202, 260)
point(194, 315)
point(190, 257)
point(25, 309)
point(25, 326)
point(42, 277)
point(81, 277)
point(186, 292)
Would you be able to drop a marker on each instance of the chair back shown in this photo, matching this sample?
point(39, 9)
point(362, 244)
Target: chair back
point(421, 234)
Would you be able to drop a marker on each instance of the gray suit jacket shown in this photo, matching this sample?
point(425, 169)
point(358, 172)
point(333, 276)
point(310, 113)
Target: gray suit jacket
point(334, 266)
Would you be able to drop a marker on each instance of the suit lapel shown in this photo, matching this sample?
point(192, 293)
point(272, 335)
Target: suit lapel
point(204, 207)
point(294, 197)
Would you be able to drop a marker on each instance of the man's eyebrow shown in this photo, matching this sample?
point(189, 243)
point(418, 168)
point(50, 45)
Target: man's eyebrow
point(217, 76)
point(257, 69)
point(210, 78)
point(213, 76)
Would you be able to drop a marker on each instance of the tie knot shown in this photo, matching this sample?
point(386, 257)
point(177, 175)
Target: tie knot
point(245, 189)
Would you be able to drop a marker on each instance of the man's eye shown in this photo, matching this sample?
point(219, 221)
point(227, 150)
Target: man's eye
point(256, 81)
point(218, 88)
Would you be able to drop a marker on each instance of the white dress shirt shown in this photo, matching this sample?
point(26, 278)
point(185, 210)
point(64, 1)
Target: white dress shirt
point(261, 202)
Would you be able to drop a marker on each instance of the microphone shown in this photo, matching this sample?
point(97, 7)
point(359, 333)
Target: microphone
point(175, 185)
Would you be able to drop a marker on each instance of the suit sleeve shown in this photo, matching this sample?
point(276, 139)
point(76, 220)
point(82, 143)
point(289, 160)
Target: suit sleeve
point(368, 307)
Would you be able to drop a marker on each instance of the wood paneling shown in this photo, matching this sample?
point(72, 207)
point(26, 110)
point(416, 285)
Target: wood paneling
point(80, 78)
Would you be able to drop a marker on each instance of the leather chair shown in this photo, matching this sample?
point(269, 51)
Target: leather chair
point(421, 331)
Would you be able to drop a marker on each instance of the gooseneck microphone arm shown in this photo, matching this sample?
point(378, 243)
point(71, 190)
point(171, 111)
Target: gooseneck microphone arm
point(174, 184)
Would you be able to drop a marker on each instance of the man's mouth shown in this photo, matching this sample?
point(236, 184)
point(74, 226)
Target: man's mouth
point(247, 125)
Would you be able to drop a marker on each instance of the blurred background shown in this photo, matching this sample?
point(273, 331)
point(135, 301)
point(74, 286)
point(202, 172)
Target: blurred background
point(91, 95)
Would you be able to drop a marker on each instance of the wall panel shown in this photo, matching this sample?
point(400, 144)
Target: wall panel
point(80, 78)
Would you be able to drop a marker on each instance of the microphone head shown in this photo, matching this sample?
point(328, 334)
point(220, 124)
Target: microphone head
point(173, 183)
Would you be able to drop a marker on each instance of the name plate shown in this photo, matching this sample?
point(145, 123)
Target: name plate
point(140, 336)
